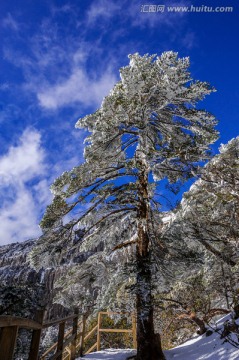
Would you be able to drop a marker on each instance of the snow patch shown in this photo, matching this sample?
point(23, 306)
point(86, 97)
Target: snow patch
point(109, 354)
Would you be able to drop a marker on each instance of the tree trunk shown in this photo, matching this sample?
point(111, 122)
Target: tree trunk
point(148, 343)
point(236, 311)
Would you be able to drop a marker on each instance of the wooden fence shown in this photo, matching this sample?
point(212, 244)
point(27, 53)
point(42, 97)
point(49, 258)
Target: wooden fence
point(69, 351)
point(96, 330)
point(68, 344)
point(10, 325)
point(101, 330)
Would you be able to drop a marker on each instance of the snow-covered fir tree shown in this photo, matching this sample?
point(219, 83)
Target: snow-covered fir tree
point(207, 220)
point(209, 211)
point(148, 131)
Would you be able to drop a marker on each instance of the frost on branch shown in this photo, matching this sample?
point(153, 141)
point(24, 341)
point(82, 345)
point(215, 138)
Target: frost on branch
point(148, 132)
point(209, 212)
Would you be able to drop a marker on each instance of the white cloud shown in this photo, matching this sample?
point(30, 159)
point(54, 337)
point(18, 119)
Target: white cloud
point(19, 218)
point(24, 161)
point(20, 207)
point(58, 71)
point(42, 193)
point(25, 179)
point(69, 70)
point(79, 87)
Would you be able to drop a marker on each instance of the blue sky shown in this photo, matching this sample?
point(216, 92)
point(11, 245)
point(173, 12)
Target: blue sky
point(58, 59)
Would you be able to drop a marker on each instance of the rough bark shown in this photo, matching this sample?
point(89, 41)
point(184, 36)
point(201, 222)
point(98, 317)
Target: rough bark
point(148, 343)
point(236, 311)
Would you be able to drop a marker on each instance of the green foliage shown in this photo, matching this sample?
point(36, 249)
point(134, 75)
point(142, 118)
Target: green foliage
point(174, 331)
point(55, 211)
point(111, 340)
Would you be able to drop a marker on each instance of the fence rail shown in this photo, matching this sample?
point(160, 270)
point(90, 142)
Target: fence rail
point(69, 353)
point(68, 343)
point(99, 330)
point(9, 326)
point(8, 321)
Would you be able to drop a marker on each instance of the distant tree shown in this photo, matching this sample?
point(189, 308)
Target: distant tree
point(146, 133)
point(222, 280)
point(208, 217)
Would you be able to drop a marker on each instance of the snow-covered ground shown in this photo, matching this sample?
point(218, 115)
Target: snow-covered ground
point(109, 354)
point(205, 348)
point(199, 348)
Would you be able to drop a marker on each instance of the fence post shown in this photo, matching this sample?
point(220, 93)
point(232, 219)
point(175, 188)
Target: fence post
point(60, 340)
point(82, 335)
point(36, 336)
point(134, 331)
point(8, 336)
point(74, 332)
point(98, 331)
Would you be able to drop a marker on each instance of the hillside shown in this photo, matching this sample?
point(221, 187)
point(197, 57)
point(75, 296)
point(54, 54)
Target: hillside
point(198, 348)
point(206, 347)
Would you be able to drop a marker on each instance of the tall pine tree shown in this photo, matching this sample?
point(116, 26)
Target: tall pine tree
point(147, 132)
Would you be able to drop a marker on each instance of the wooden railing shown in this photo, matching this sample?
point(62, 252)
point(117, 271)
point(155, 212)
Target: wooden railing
point(99, 330)
point(68, 351)
point(10, 325)
point(68, 344)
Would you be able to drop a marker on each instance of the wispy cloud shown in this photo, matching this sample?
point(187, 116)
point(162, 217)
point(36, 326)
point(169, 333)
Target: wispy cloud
point(8, 112)
point(58, 70)
point(66, 8)
point(64, 70)
point(103, 10)
point(189, 40)
point(10, 23)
